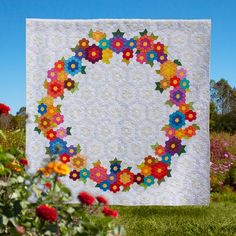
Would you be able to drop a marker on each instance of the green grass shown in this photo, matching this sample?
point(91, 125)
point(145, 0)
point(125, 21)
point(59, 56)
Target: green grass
point(217, 219)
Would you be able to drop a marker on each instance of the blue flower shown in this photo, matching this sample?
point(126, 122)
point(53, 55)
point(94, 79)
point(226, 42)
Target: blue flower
point(152, 56)
point(104, 185)
point(80, 53)
point(115, 168)
point(84, 173)
point(73, 66)
point(148, 180)
point(104, 43)
point(42, 109)
point(72, 150)
point(166, 158)
point(177, 120)
point(57, 146)
point(184, 83)
point(131, 43)
point(111, 178)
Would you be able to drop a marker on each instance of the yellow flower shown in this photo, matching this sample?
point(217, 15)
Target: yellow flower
point(47, 101)
point(78, 162)
point(179, 133)
point(165, 83)
point(62, 76)
point(106, 55)
point(15, 166)
point(146, 170)
point(98, 35)
point(168, 69)
point(61, 168)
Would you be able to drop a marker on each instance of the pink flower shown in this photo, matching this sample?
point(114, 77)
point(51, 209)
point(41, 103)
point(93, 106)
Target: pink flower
point(61, 133)
point(141, 58)
point(181, 73)
point(98, 174)
point(170, 132)
point(58, 119)
point(52, 74)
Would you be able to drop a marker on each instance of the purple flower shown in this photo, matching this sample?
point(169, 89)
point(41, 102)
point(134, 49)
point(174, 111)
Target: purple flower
point(173, 145)
point(177, 96)
point(162, 58)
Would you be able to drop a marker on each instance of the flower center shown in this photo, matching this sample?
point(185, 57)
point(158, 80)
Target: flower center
point(172, 145)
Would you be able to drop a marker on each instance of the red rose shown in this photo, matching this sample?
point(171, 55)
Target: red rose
point(127, 53)
point(4, 109)
point(190, 115)
point(24, 161)
point(108, 212)
point(51, 134)
point(46, 213)
point(48, 185)
point(86, 198)
point(159, 170)
point(102, 200)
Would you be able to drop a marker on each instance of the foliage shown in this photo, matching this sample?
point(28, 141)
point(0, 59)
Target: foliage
point(21, 193)
point(223, 107)
point(223, 160)
point(216, 219)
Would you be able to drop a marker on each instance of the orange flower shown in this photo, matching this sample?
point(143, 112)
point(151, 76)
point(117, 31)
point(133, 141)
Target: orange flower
point(44, 124)
point(83, 43)
point(183, 108)
point(168, 69)
point(146, 170)
point(190, 131)
point(149, 160)
point(160, 150)
point(164, 83)
point(98, 35)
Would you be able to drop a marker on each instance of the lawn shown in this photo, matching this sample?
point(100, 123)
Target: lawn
point(217, 219)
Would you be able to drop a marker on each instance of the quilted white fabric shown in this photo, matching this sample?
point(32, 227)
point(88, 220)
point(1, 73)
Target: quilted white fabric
point(117, 111)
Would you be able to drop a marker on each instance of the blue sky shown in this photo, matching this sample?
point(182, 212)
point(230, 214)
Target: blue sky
point(14, 12)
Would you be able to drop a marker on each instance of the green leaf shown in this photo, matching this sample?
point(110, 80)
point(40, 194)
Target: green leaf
point(169, 175)
point(3, 135)
point(62, 97)
point(83, 70)
point(182, 150)
point(115, 161)
point(154, 36)
point(126, 61)
point(129, 168)
point(48, 152)
point(118, 33)
point(63, 59)
point(137, 52)
point(143, 33)
point(158, 72)
point(154, 146)
point(165, 127)
point(37, 130)
point(168, 102)
point(144, 185)
point(158, 87)
point(177, 62)
point(126, 189)
point(190, 105)
point(68, 129)
point(150, 63)
point(195, 126)
point(78, 148)
point(90, 34)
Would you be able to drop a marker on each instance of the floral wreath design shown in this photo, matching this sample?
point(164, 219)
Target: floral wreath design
point(146, 49)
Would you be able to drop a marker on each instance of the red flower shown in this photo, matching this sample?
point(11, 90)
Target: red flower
point(127, 54)
point(102, 200)
point(59, 66)
point(24, 161)
point(93, 53)
point(159, 170)
point(139, 178)
point(108, 212)
point(158, 47)
point(174, 81)
point(191, 115)
point(125, 178)
point(48, 185)
point(51, 134)
point(4, 109)
point(64, 157)
point(115, 187)
point(86, 198)
point(55, 88)
point(46, 213)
